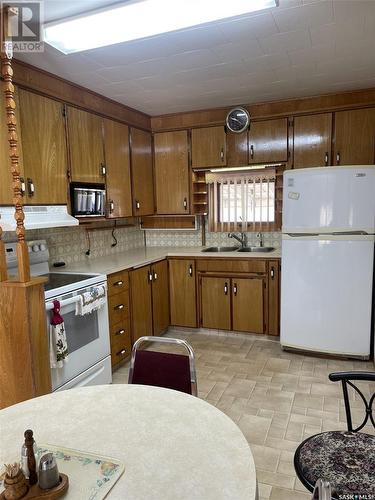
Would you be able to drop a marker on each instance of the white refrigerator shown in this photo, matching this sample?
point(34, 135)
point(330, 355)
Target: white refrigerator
point(327, 278)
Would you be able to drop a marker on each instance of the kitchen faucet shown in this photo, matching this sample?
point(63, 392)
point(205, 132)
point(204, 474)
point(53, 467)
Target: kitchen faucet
point(242, 239)
point(259, 237)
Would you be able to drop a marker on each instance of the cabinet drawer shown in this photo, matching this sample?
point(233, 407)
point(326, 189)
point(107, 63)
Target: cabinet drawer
point(118, 307)
point(234, 266)
point(120, 341)
point(118, 282)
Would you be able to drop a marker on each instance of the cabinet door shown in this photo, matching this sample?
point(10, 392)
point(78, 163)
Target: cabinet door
point(182, 292)
point(237, 149)
point(273, 297)
point(215, 302)
point(160, 296)
point(44, 149)
point(355, 137)
point(141, 161)
point(141, 302)
point(312, 140)
point(248, 304)
point(208, 147)
point(117, 160)
point(268, 141)
point(171, 172)
point(86, 146)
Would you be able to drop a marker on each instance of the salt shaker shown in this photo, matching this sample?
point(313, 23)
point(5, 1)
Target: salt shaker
point(48, 472)
point(24, 457)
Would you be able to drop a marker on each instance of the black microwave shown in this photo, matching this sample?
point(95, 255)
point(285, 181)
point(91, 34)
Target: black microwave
point(88, 200)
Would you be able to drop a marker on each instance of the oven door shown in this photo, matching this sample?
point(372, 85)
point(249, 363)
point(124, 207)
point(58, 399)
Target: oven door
point(87, 337)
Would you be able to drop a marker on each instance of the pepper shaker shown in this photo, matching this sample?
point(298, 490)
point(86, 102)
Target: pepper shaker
point(48, 472)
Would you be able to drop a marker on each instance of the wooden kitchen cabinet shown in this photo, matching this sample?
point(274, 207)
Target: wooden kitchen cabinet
point(215, 302)
point(141, 302)
point(268, 141)
point(171, 163)
point(208, 147)
point(354, 137)
point(119, 317)
point(312, 140)
point(85, 139)
point(237, 149)
point(117, 161)
point(248, 300)
point(182, 292)
point(273, 297)
point(150, 299)
point(160, 297)
point(44, 149)
point(142, 175)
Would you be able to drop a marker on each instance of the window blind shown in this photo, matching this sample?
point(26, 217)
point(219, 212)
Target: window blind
point(242, 201)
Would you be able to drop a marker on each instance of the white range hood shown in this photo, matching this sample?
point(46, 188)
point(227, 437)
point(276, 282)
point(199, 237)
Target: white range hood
point(38, 217)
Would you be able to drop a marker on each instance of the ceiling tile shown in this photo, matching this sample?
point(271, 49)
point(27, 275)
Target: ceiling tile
point(285, 41)
point(304, 16)
point(254, 26)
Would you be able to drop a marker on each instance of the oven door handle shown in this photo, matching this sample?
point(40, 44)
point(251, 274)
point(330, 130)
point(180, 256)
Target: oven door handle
point(63, 303)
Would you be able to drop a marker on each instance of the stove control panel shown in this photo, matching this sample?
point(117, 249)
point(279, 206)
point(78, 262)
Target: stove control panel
point(38, 253)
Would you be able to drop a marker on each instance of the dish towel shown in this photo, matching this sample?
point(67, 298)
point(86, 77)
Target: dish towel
point(57, 338)
point(91, 301)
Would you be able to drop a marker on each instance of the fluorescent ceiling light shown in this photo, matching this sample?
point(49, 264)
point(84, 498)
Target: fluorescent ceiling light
point(142, 19)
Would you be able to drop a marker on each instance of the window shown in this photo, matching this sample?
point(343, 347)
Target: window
point(242, 201)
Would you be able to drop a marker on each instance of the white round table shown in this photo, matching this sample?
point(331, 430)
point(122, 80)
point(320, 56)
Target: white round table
point(174, 446)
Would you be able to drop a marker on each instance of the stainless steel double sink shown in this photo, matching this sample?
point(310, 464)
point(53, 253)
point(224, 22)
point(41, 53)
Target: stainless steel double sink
point(238, 249)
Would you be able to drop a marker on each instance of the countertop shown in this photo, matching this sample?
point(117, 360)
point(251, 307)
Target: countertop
point(143, 256)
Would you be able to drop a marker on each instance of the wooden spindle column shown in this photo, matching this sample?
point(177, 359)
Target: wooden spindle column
point(24, 354)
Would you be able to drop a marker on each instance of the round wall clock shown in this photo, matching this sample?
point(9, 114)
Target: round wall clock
point(238, 120)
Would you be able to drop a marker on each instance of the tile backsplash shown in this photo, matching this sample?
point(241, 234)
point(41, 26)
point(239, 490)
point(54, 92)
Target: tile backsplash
point(69, 244)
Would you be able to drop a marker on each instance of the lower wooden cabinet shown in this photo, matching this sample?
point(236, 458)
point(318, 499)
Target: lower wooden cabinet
point(239, 295)
point(248, 304)
point(119, 317)
point(215, 302)
point(182, 292)
point(149, 300)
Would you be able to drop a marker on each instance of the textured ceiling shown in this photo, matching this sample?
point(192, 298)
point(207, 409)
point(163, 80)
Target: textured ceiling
point(301, 48)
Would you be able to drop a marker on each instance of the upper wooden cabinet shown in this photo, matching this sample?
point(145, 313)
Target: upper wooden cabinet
point(268, 141)
point(312, 140)
point(117, 160)
point(237, 149)
point(44, 149)
point(142, 176)
point(171, 163)
point(182, 292)
point(208, 147)
point(86, 146)
point(354, 137)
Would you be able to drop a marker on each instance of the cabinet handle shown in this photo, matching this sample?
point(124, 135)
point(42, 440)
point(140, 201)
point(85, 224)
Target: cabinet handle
point(185, 204)
point(119, 307)
point(121, 353)
point(111, 207)
point(338, 158)
point(120, 332)
point(326, 159)
point(30, 187)
point(149, 276)
point(102, 169)
point(191, 271)
point(118, 283)
point(155, 276)
point(235, 289)
point(225, 288)
point(251, 151)
point(137, 205)
point(222, 154)
point(23, 186)
point(272, 273)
